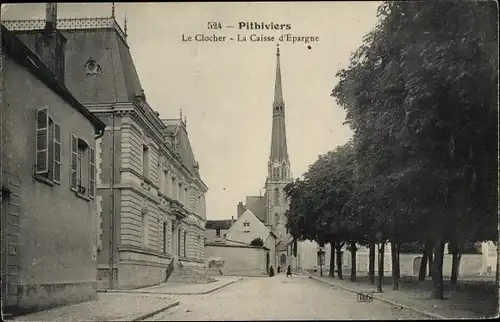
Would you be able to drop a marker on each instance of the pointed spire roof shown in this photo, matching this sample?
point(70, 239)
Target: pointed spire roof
point(278, 91)
point(278, 139)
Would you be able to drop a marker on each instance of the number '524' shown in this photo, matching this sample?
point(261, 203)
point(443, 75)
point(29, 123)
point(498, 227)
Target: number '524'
point(214, 25)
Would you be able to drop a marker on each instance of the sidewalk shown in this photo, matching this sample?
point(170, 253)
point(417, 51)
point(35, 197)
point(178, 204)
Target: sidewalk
point(107, 307)
point(468, 299)
point(170, 288)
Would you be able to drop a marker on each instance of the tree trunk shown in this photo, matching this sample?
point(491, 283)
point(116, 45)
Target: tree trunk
point(398, 251)
point(339, 261)
point(455, 267)
point(353, 261)
point(437, 269)
point(394, 262)
point(423, 265)
point(430, 258)
point(331, 273)
point(371, 263)
point(380, 267)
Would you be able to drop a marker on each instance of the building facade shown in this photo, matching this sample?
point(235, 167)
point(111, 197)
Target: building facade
point(215, 230)
point(48, 191)
point(150, 196)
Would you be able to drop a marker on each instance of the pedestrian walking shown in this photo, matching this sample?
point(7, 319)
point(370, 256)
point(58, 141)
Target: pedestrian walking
point(271, 272)
point(289, 271)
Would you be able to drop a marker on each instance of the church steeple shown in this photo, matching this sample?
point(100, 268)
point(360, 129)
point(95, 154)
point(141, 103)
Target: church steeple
point(278, 91)
point(279, 153)
point(279, 164)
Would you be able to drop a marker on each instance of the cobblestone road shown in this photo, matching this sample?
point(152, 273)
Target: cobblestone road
point(263, 298)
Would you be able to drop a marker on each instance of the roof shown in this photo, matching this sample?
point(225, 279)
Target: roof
point(224, 224)
point(102, 40)
point(257, 205)
point(281, 246)
point(18, 51)
point(178, 128)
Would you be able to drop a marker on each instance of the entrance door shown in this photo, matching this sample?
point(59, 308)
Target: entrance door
point(172, 239)
point(283, 260)
point(267, 262)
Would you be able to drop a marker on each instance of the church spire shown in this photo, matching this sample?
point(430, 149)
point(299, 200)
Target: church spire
point(279, 151)
point(278, 91)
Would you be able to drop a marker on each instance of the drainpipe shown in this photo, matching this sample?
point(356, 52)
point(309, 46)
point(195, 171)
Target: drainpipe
point(112, 203)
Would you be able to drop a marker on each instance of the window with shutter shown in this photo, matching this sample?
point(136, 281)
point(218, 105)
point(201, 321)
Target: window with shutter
point(74, 163)
point(57, 153)
point(42, 141)
point(83, 167)
point(92, 173)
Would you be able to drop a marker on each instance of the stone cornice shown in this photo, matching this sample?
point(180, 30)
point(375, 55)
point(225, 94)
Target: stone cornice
point(141, 250)
point(235, 246)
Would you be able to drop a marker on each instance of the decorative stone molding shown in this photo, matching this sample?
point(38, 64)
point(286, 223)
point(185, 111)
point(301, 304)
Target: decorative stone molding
point(146, 140)
point(146, 185)
point(144, 209)
point(92, 67)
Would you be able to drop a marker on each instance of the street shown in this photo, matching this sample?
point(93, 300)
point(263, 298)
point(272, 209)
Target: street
point(261, 298)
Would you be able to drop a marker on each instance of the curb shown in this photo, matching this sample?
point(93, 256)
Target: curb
point(432, 315)
point(219, 287)
point(166, 293)
point(150, 314)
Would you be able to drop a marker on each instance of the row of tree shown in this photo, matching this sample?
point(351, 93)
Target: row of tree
point(420, 95)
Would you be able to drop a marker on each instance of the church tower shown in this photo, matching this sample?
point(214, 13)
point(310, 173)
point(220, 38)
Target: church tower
point(279, 172)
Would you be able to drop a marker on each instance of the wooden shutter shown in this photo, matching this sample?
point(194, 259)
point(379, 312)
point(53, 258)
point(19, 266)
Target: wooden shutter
point(42, 141)
point(57, 153)
point(74, 160)
point(92, 173)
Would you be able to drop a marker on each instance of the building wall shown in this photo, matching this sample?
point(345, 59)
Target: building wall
point(57, 246)
point(238, 260)
point(256, 229)
point(277, 205)
point(470, 264)
point(211, 235)
point(142, 206)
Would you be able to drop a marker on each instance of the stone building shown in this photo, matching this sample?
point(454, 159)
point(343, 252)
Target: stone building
point(150, 196)
point(48, 188)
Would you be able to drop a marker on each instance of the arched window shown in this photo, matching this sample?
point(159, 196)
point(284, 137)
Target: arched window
point(276, 195)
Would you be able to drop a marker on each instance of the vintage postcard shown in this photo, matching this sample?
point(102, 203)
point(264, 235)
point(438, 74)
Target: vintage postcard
point(249, 160)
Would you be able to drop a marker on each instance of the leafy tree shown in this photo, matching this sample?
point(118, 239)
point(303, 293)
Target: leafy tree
point(421, 99)
point(257, 242)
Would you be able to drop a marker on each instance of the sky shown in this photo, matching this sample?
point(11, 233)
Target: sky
point(226, 89)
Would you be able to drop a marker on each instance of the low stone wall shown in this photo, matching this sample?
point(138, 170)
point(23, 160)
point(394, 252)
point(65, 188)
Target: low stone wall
point(235, 260)
point(470, 264)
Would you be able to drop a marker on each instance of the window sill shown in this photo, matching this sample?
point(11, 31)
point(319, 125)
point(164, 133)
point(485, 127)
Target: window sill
point(44, 180)
point(79, 195)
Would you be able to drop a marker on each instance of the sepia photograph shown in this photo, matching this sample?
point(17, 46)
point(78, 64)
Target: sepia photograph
point(233, 161)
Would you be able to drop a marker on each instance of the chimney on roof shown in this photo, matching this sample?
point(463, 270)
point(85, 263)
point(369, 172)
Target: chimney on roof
point(50, 16)
point(240, 209)
point(50, 44)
